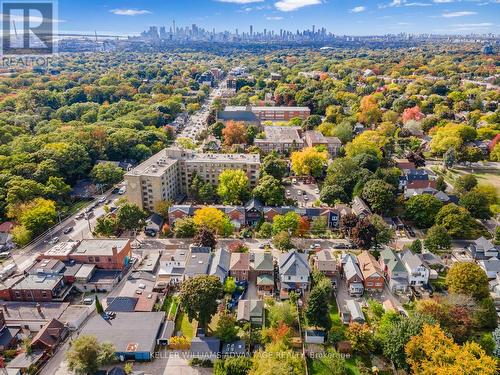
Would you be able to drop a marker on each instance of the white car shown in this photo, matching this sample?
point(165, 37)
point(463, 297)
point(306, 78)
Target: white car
point(54, 240)
point(102, 199)
point(294, 181)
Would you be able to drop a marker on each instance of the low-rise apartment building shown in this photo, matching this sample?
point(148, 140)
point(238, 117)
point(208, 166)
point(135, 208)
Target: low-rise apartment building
point(168, 174)
point(274, 113)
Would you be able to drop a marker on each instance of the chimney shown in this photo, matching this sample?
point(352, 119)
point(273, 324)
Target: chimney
point(38, 308)
point(5, 309)
point(114, 249)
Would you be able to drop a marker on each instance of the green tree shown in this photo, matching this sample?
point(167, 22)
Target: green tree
point(282, 241)
point(441, 184)
point(282, 312)
point(317, 304)
point(277, 359)
point(265, 230)
point(233, 186)
point(86, 355)
point(162, 207)
point(107, 173)
point(456, 220)
point(270, 191)
point(485, 315)
point(274, 166)
point(422, 209)
point(437, 239)
point(319, 225)
point(131, 217)
point(288, 222)
point(185, 228)
point(233, 366)
point(37, 215)
point(106, 226)
point(226, 329)
point(465, 183)
point(416, 246)
point(334, 362)
point(198, 298)
point(379, 195)
point(477, 203)
point(332, 194)
point(396, 335)
point(469, 279)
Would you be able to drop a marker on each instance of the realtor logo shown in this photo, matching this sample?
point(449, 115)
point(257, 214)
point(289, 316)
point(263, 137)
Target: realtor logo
point(28, 28)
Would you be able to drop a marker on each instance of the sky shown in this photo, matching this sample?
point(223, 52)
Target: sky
point(344, 17)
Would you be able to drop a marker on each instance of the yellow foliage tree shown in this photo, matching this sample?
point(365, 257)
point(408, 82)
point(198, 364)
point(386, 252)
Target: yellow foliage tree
point(432, 352)
point(211, 218)
point(309, 162)
point(451, 136)
point(179, 343)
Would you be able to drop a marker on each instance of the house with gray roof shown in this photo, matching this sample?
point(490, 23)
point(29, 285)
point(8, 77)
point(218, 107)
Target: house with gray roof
point(353, 276)
point(352, 312)
point(394, 270)
point(263, 268)
point(491, 267)
point(220, 264)
point(250, 311)
point(418, 273)
point(205, 348)
point(483, 248)
point(294, 272)
point(198, 262)
point(360, 208)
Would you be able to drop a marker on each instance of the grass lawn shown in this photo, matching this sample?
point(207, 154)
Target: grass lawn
point(182, 324)
point(173, 308)
point(212, 326)
point(351, 367)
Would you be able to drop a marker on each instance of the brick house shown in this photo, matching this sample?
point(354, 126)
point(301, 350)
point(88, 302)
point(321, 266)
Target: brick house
point(50, 336)
point(372, 272)
point(40, 288)
point(263, 268)
point(239, 266)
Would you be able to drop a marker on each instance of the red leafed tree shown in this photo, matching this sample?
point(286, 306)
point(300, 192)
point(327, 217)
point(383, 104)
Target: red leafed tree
point(412, 114)
point(303, 227)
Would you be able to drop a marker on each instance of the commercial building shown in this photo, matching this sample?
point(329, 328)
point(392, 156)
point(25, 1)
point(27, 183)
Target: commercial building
point(274, 113)
point(133, 334)
point(167, 175)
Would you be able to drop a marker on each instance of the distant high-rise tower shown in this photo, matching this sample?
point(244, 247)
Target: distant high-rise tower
point(314, 26)
point(173, 26)
point(251, 30)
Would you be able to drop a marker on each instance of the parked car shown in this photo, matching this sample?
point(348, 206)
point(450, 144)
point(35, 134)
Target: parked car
point(4, 255)
point(340, 246)
point(122, 190)
point(54, 240)
point(102, 199)
point(88, 301)
point(67, 230)
point(79, 216)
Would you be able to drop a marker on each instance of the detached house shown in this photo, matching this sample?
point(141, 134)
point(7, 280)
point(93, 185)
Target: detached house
point(239, 266)
point(220, 264)
point(360, 208)
point(418, 273)
point(251, 311)
point(263, 267)
point(373, 276)
point(50, 336)
point(394, 270)
point(353, 276)
point(294, 272)
point(483, 248)
point(325, 262)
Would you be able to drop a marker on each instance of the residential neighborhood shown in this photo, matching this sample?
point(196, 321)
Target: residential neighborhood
point(252, 204)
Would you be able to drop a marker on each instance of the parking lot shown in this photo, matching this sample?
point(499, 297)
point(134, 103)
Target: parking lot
point(304, 194)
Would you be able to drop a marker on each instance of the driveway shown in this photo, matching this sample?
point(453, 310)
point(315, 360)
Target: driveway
point(179, 366)
point(306, 190)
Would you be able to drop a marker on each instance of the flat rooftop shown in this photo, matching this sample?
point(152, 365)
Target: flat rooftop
point(100, 247)
point(128, 331)
point(224, 158)
point(282, 134)
point(38, 282)
point(155, 166)
point(62, 249)
point(27, 311)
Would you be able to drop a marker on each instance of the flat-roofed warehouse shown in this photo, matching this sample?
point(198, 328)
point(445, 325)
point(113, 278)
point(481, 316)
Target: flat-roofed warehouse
point(133, 334)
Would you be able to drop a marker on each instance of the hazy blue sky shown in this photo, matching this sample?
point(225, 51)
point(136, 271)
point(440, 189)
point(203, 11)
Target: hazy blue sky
point(354, 17)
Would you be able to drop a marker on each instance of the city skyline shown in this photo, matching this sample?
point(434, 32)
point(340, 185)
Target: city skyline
point(367, 17)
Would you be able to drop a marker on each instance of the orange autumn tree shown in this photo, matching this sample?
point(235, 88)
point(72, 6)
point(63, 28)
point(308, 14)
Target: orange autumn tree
point(369, 110)
point(303, 227)
point(235, 132)
point(432, 352)
point(412, 113)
